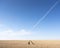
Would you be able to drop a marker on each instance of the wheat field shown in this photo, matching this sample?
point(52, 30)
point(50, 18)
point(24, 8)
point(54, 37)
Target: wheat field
point(24, 44)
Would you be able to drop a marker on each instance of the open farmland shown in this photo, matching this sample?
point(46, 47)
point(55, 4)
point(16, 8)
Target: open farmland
point(24, 44)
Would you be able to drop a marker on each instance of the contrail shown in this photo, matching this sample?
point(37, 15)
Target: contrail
point(45, 15)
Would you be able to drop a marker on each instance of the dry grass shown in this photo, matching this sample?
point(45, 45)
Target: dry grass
point(24, 44)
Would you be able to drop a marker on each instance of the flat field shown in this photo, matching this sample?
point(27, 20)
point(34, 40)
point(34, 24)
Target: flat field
point(24, 44)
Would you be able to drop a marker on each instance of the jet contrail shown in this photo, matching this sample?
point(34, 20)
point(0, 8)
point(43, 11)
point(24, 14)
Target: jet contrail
point(45, 15)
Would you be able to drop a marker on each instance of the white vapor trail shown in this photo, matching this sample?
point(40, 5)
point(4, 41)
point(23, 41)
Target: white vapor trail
point(45, 15)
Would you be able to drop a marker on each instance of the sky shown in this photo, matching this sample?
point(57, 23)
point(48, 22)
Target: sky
point(29, 19)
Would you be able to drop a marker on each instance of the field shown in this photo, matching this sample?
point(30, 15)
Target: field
point(24, 44)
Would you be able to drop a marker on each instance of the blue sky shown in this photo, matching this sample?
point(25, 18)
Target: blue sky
point(30, 19)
